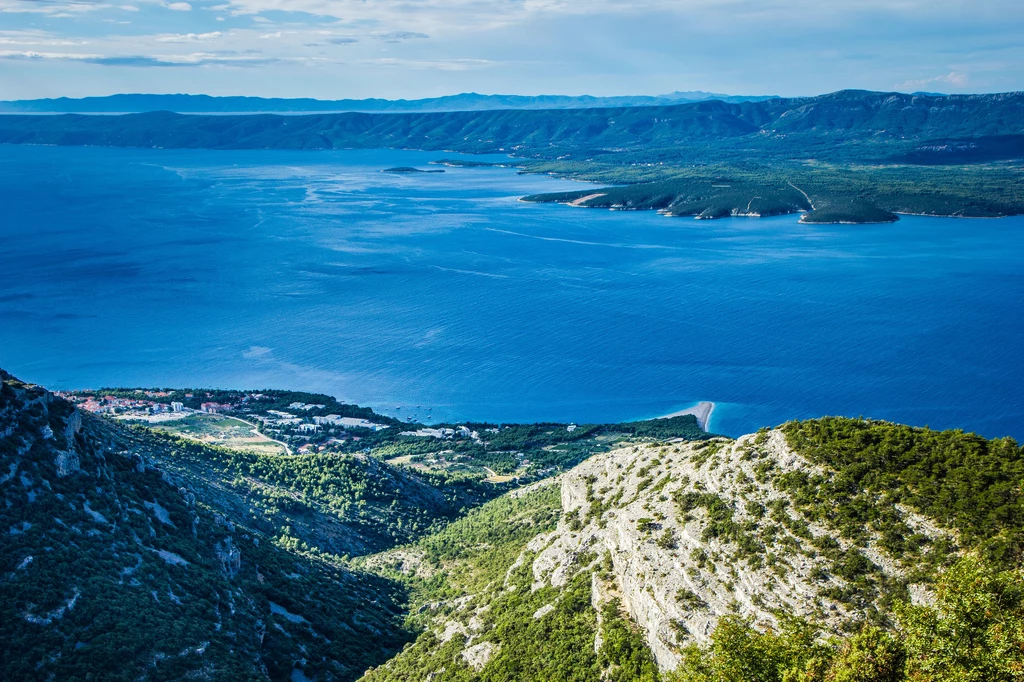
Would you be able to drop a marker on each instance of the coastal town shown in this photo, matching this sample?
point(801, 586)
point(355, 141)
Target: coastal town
point(296, 424)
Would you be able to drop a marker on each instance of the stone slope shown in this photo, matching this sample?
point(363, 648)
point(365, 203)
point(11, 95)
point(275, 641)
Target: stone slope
point(671, 537)
point(696, 531)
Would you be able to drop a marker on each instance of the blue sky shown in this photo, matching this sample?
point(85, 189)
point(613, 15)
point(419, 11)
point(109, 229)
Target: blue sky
point(422, 48)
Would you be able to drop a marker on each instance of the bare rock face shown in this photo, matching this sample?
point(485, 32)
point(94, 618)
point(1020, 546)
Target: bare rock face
point(67, 463)
point(695, 531)
point(31, 416)
point(72, 425)
point(478, 655)
point(230, 557)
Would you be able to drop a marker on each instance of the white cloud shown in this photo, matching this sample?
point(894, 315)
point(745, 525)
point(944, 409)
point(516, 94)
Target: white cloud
point(33, 55)
point(954, 79)
point(52, 9)
point(36, 37)
point(142, 61)
point(256, 352)
point(399, 36)
point(188, 37)
point(576, 46)
point(437, 15)
point(179, 6)
point(433, 65)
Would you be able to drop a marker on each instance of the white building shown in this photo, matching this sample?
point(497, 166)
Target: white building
point(348, 422)
point(279, 413)
point(430, 433)
point(306, 406)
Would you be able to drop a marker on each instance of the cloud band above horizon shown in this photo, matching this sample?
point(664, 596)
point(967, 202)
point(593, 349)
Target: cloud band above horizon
point(407, 49)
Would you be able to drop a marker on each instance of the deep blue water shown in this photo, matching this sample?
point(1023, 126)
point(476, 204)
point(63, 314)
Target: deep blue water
point(313, 270)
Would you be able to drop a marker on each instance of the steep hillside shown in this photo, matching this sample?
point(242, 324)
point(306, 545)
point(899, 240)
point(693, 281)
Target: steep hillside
point(114, 566)
point(672, 561)
point(343, 504)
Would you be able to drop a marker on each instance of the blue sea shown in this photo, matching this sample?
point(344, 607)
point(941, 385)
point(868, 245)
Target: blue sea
point(442, 297)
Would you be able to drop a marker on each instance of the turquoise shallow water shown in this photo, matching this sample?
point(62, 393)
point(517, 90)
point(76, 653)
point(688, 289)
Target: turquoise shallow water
point(446, 296)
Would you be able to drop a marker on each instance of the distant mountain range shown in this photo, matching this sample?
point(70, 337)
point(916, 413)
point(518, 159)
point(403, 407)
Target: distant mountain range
point(467, 101)
point(847, 157)
point(786, 125)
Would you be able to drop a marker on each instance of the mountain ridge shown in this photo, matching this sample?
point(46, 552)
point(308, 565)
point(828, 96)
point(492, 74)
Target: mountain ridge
point(701, 562)
point(847, 114)
point(113, 565)
point(466, 101)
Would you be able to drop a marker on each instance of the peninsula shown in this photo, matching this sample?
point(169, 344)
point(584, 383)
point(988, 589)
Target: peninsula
point(410, 169)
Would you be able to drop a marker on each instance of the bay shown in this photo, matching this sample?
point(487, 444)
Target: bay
point(442, 297)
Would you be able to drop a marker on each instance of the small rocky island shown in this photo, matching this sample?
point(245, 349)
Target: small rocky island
point(410, 169)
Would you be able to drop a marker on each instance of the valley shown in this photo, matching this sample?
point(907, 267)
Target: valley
point(643, 551)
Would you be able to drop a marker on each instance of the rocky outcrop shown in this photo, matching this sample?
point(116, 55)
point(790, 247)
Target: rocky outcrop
point(31, 415)
point(695, 531)
point(230, 557)
point(67, 463)
point(478, 655)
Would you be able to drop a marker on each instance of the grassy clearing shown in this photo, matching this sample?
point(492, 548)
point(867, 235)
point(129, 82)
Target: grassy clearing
point(228, 432)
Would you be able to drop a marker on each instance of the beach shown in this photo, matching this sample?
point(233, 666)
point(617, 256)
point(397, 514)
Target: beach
point(702, 411)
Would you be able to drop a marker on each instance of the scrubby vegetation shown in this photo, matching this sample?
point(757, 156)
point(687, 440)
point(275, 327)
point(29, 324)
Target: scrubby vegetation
point(341, 503)
point(973, 632)
point(531, 634)
point(833, 192)
point(963, 481)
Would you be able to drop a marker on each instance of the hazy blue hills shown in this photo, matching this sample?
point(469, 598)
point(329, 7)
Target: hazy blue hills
point(846, 117)
point(468, 101)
